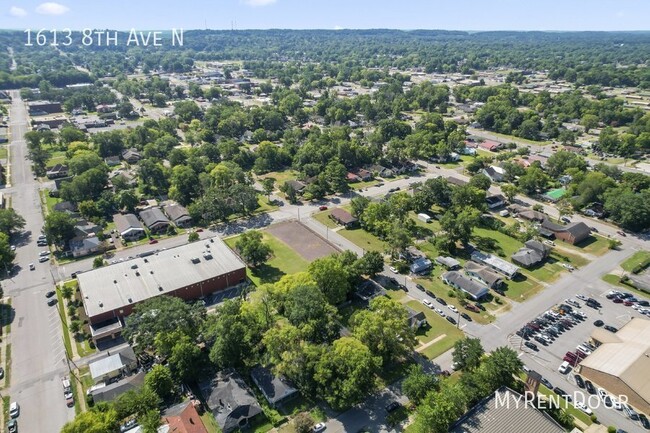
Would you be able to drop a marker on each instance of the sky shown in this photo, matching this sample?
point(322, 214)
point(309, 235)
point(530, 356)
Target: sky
point(552, 15)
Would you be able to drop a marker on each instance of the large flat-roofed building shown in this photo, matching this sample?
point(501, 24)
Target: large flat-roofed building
point(190, 272)
point(621, 363)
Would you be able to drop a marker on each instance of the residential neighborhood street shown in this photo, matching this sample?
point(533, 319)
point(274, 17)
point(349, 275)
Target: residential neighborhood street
point(37, 349)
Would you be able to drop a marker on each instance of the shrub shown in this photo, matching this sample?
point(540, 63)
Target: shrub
point(302, 423)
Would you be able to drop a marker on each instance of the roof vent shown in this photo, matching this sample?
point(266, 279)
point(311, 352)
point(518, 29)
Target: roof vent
point(160, 288)
point(101, 304)
point(130, 300)
point(134, 266)
point(207, 256)
point(211, 240)
point(151, 272)
point(114, 281)
point(195, 260)
point(146, 261)
point(137, 274)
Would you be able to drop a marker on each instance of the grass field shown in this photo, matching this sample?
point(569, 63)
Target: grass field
point(614, 281)
point(280, 177)
point(639, 258)
point(3, 152)
point(284, 261)
point(363, 239)
point(596, 245)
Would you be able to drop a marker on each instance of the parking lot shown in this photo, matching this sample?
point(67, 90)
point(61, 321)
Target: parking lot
point(548, 358)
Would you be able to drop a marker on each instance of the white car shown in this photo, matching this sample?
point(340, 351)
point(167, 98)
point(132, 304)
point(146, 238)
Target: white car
point(393, 270)
point(452, 308)
point(13, 248)
point(564, 368)
point(14, 410)
point(580, 405)
point(43, 259)
point(439, 311)
point(44, 253)
point(427, 303)
point(581, 314)
point(549, 242)
point(568, 266)
point(583, 297)
point(31, 267)
point(318, 427)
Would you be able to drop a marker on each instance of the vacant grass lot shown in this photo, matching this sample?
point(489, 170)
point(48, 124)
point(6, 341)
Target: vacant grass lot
point(639, 258)
point(284, 261)
point(614, 281)
point(596, 245)
point(363, 239)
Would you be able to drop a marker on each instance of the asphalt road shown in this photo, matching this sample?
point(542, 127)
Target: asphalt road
point(36, 339)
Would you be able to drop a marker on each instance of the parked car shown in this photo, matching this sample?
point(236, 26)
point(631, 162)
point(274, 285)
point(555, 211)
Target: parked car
point(31, 267)
point(547, 383)
point(419, 287)
point(559, 391)
point(580, 405)
point(153, 241)
point(43, 259)
point(441, 301)
point(466, 316)
point(451, 320)
point(621, 233)
point(427, 303)
point(12, 426)
point(322, 208)
point(393, 269)
point(610, 328)
point(439, 311)
point(52, 301)
point(599, 323)
point(393, 406)
point(591, 389)
point(472, 307)
point(14, 410)
point(318, 428)
point(531, 345)
point(452, 308)
point(579, 381)
point(644, 421)
point(564, 368)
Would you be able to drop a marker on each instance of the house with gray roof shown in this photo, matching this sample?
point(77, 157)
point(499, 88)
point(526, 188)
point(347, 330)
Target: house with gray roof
point(112, 391)
point(483, 275)
point(121, 362)
point(129, 226)
point(84, 246)
point(231, 401)
point(276, 389)
point(448, 263)
point(416, 319)
point(178, 215)
point(531, 254)
point(495, 263)
point(131, 156)
point(421, 265)
point(505, 411)
point(155, 220)
point(473, 288)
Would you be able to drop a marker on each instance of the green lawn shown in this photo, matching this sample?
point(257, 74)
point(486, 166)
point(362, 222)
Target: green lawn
point(614, 281)
point(209, 422)
point(284, 261)
point(495, 242)
point(56, 157)
point(3, 152)
point(363, 239)
point(362, 185)
point(569, 408)
point(280, 177)
point(639, 258)
point(437, 327)
point(595, 244)
point(265, 206)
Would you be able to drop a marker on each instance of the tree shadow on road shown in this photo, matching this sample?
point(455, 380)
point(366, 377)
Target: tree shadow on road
point(7, 314)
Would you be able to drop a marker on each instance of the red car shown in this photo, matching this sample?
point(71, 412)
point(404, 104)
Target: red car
point(322, 208)
point(628, 303)
point(199, 230)
point(617, 300)
point(153, 241)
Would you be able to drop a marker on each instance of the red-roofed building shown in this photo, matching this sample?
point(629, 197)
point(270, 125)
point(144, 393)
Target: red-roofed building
point(183, 418)
point(490, 145)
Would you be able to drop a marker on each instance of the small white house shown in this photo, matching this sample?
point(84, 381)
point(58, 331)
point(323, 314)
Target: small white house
point(424, 217)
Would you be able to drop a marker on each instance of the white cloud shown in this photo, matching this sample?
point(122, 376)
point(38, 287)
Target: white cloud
point(15, 11)
point(51, 8)
point(257, 3)
point(338, 28)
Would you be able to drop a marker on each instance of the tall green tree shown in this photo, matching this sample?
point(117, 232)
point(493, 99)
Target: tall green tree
point(10, 221)
point(467, 353)
point(252, 249)
point(160, 381)
point(417, 384)
point(59, 227)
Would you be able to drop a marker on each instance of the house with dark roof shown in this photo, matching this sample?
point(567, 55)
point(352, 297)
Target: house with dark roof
point(182, 418)
point(474, 289)
point(276, 389)
point(363, 174)
point(533, 253)
point(416, 319)
point(65, 206)
point(83, 228)
point(380, 170)
point(85, 246)
point(483, 275)
point(531, 215)
point(57, 171)
point(495, 201)
point(114, 390)
point(112, 161)
point(573, 233)
point(505, 411)
point(131, 156)
point(129, 226)
point(178, 215)
point(343, 217)
point(155, 220)
point(421, 265)
point(297, 185)
point(231, 401)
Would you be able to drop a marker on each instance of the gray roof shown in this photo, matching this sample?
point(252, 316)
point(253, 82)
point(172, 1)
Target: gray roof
point(124, 283)
point(495, 263)
point(505, 416)
point(176, 212)
point(153, 216)
point(456, 181)
point(482, 272)
point(114, 390)
point(127, 222)
point(467, 285)
point(448, 262)
point(527, 257)
point(111, 363)
point(420, 265)
point(230, 400)
point(274, 388)
point(85, 243)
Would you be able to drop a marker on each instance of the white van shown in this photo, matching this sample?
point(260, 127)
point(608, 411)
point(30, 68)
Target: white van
point(424, 217)
point(584, 349)
point(564, 367)
point(14, 410)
